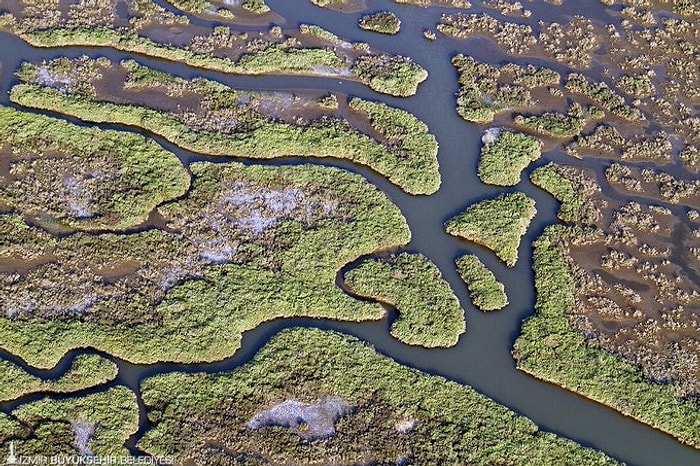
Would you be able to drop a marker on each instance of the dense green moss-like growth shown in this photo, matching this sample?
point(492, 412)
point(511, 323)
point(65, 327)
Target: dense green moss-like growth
point(384, 22)
point(572, 194)
point(84, 178)
point(497, 224)
point(86, 371)
point(246, 245)
point(503, 159)
point(98, 424)
point(487, 293)
point(551, 348)
point(429, 312)
point(407, 414)
point(223, 126)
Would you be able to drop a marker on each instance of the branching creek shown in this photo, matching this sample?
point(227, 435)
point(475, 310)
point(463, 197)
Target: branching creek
point(482, 359)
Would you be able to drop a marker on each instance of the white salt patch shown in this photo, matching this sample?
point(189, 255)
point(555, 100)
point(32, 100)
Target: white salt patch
point(320, 417)
point(491, 135)
point(83, 431)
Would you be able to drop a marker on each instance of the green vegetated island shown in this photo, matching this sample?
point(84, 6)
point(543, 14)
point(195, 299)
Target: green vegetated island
point(146, 28)
point(315, 396)
point(487, 293)
point(210, 118)
point(505, 154)
point(384, 22)
point(429, 312)
point(242, 246)
point(497, 224)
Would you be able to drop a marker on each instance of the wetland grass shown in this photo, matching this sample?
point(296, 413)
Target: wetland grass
point(407, 153)
point(552, 348)
point(86, 371)
point(497, 224)
point(429, 312)
point(503, 159)
point(84, 178)
point(384, 22)
point(486, 293)
point(246, 245)
point(97, 424)
point(407, 414)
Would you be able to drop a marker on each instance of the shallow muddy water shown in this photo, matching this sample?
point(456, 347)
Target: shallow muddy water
point(482, 358)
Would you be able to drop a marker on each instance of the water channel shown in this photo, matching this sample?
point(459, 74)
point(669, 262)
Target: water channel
point(482, 358)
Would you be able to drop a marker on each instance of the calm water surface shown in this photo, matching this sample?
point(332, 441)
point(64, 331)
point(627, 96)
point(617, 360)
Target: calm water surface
point(482, 358)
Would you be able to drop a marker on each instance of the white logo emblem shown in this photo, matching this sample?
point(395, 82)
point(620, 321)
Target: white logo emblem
point(11, 458)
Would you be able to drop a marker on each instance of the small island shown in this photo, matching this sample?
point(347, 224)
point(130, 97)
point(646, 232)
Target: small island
point(384, 22)
point(487, 293)
point(497, 224)
point(505, 154)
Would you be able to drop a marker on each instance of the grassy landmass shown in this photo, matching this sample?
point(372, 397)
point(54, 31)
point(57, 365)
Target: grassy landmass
point(49, 427)
point(389, 74)
point(497, 224)
point(503, 160)
point(86, 371)
point(563, 189)
point(84, 178)
point(408, 156)
point(551, 348)
point(409, 416)
point(246, 245)
point(429, 312)
point(486, 293)
point(384, 22)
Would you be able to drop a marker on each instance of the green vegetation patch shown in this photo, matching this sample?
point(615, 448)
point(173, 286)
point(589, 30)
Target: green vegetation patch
point(408, 415)
point(244, 246)
point(199, 7)
point(84, 178)
point(390, 74)
point(551, 348)
point(384, 22)
point(429, 312)
point(572, 191)
point(497, 224)
point(86, 371)
point(223, 125)
point(552, 124)
point(98, 424)
point(505, 155)
point(487, 293)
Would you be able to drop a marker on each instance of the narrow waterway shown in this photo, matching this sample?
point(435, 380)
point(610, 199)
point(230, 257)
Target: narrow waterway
point(482, 358)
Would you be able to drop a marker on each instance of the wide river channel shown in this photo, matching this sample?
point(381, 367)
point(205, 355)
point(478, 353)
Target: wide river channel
point(482, 359)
